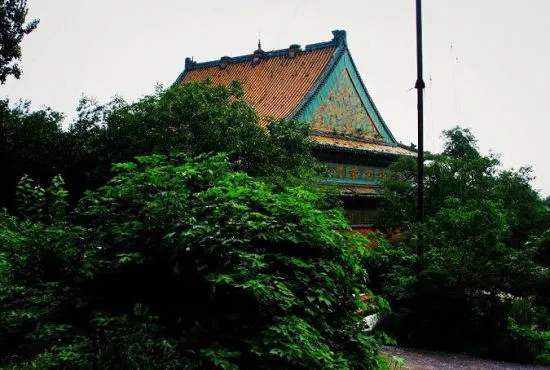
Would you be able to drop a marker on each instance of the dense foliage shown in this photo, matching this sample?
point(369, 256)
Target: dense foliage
point(181, 263)
point(220, 261)
point(12, 31)
point(201, 260)
point(30, 143)
point(194, 118)
point(481, 284)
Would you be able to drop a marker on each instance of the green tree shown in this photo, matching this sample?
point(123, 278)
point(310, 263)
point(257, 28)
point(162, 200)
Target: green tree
point(194, 118)
point(30, 143)
point(183, 263)
point(481, 278)
point(12, 30)
point(461, 172)
point(460, 142)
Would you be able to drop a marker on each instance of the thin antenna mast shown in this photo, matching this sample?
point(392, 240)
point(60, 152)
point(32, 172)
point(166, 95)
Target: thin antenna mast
point(420, 85)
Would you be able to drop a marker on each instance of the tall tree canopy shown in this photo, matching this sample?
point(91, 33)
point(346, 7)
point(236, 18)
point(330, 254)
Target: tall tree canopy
point(31, 142)
point(194, 118)
point(482, 284)
point(13, 28)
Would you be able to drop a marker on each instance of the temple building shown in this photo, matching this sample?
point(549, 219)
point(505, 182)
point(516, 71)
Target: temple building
point(318, 84)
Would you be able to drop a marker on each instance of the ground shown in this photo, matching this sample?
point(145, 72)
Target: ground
point(431, 360)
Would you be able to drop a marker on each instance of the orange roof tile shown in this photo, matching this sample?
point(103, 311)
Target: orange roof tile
point(276, 85)
point(362, 145)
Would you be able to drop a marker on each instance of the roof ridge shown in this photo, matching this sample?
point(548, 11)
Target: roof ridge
point(358, 139)
point(339, 39)
point(370, 99)
point(341, 47)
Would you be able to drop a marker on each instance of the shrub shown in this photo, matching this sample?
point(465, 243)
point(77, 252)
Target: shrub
point(183, 263)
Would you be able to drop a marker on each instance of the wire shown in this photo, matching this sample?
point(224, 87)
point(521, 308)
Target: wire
point(459, 95)
point(455, 66)
point(432, 125)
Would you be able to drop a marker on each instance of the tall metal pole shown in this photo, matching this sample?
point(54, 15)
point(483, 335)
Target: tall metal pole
point(420, 85)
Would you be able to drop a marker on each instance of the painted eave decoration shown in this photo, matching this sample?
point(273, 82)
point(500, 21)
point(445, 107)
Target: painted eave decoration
point(319, 84)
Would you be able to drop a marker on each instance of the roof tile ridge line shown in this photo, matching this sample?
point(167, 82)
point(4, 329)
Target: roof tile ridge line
point(248, 57)
point(355, 138)
point(360, 151)
point(180, 78)
point(335, 59)
point(321, 45)
point(404, 146)
point(370, 99)
point(266, 54)
point(242, 58)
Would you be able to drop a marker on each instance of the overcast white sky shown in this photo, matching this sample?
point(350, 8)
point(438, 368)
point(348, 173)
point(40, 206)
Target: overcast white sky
point(494, 79)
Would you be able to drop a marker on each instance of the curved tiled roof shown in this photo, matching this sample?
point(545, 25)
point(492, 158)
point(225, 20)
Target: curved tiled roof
point(361, 145)
point(276, 85)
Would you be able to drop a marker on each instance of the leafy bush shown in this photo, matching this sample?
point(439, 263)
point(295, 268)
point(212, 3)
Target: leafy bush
point(530, 341)
point(183, 263)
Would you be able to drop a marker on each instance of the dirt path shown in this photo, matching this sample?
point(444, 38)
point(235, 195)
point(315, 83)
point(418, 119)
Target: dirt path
point(431, 360)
